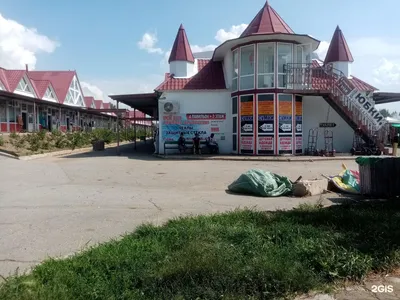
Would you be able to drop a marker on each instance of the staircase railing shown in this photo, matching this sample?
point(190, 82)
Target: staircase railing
point(326, 82)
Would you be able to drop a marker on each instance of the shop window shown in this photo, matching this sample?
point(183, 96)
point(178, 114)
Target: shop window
point(234, 142)
point(12, 114)
point(284, 58)
point(234, 106)
point(266, 66)
point(247, 68)
point(3, 112)
point(234, 125)
point(235, 70)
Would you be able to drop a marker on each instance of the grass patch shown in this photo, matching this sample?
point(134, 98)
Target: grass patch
point(243, 254)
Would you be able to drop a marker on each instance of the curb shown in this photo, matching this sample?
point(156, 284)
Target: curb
point(264, 159)
point(66, 152)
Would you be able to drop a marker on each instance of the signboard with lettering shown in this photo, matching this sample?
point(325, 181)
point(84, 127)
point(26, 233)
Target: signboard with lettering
point(285, 144)
point(299, 115)
point(203, 123)
point(265, 145)
point(327, 125)
point(266, 114)
point(246, 144)
point(246, 114)
point(299, 144)
point(285, 115)
point(362, 101)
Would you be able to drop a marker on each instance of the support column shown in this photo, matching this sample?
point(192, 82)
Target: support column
point(34, 117)
point(118, 153)
point(134, 125)
point(8, 116)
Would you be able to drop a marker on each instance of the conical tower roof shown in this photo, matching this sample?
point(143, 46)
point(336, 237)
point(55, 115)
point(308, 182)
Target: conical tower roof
point(267, 21)
point(181, 49)
point(338, 49)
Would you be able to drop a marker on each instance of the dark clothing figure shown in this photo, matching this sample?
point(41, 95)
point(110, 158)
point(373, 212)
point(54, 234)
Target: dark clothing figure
point(181, 144)
point(196, 144)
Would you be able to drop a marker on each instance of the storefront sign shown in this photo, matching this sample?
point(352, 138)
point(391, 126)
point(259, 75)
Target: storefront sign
point(265, 143)
point(190, 124)
point(246, 143)
point(266, 116)
point(327, 125)
point(285, 143)
point(285, 116)
point(362, 101)
point(246, 108)
point(246, 117)
point(299, 143)
point(299, 115)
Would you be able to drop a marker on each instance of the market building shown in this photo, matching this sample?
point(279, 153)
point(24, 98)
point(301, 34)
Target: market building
point(264, 93)
point(51, 100)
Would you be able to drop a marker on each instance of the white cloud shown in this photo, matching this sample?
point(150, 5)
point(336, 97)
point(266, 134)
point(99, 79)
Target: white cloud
point(322, 50)
point(196, 48)
point(149, 42)
point(387, 73)
point(234, 32)
point(101, 89)
point(19, 45)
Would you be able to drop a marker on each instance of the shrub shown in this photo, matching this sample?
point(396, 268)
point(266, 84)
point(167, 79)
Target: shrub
point(17, 141)
point(13, 135)
point(2, 142)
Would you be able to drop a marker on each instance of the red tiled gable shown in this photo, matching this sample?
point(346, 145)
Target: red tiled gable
point(40, 87)
point(13, 78)
point(338, 49)
point(88, 101)
point(3, 79)
point(98, 104)
point(209, 77)
point(181, 49)
point(60, 81)
point(106, 105)
point(321, 81)
point(267, 21)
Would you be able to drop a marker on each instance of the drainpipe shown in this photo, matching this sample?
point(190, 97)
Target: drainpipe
point(34, 117)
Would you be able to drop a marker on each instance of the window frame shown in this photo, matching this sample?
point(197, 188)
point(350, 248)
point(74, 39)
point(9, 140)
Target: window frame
point(274, 65)
point(247, 75)
point(284, 73)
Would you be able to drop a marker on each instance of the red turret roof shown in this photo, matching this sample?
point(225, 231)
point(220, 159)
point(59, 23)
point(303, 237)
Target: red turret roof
point(338, 49)
point(267, 21)
point(181, 49)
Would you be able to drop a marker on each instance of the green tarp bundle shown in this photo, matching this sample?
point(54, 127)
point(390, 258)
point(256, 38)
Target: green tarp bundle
point(261, 183)
point(368, 160)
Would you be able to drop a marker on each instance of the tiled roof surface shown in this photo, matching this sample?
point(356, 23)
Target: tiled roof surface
point(98, 104)
point(13, 78)
point(338, 49)
point(181, 49)
point(60, 81)
point(267, 21)
point(88, 101)
point(209, 77)
point(3, 79)
point(106, 105)
point(40, 87)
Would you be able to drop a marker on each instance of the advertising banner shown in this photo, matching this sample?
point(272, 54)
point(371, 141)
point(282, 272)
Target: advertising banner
point(299, 144)
point(265, 145)
point(202, 123)
point(285, 144)
point(246, 144)
point(266, 114)
point(299, 115)
point(285, 116)
point(246, 114)
point(364, 103)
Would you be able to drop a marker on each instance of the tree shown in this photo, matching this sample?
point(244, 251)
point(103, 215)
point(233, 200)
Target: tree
point(384, 112)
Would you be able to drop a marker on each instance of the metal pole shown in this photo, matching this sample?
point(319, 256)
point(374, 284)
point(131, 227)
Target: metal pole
point(118, 153)
point(134, 125)
point(34, 117)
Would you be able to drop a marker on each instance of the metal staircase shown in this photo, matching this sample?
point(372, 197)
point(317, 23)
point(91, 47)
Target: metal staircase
point(340, 94)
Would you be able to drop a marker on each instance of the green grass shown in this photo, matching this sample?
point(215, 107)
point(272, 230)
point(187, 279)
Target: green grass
point(238, 255)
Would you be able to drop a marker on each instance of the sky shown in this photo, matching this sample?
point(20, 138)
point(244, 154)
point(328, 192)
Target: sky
point(122, 46)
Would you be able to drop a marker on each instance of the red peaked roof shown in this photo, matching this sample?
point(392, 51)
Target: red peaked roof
point(106, 105)
point(181, 49)
point(40, 87)
point(338, 49)
point(13, 78)
point(209, 77)
point(267, 21)
point(60, 81)
point(88, 101)
point(98, 103)
point(3, 79)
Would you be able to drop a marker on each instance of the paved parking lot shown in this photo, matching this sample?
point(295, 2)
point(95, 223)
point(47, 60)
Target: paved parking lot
point(56, 206)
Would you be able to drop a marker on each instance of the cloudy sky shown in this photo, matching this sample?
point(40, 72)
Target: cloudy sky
point(123, 47)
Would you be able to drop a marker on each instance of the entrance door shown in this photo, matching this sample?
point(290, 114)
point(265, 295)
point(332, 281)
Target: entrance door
point(49, 123)
point(24, 121)
point(68, 125)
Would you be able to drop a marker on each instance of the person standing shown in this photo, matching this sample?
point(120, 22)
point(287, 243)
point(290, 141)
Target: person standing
point(182, 143)
point(196, 144)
